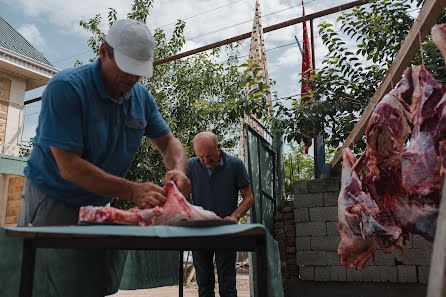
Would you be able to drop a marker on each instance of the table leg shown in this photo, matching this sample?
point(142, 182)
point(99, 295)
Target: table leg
point(180, 275)
point(27, 277)
point(261, 268)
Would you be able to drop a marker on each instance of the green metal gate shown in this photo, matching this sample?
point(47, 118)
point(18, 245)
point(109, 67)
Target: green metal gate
point(261, 161)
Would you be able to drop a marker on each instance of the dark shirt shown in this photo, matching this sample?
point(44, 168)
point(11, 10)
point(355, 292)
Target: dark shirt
point(217, 192)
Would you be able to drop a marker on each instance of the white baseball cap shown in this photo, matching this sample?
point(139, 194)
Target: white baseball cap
point(133, 46)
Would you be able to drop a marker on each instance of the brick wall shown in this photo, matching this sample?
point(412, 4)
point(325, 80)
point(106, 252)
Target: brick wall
point(5, 88)
point(317, 239)
point(14, 195)
point(285, 234)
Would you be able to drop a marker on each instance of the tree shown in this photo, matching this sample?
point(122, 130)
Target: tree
point(359, 56)
point(299, 166)
point(194, 94)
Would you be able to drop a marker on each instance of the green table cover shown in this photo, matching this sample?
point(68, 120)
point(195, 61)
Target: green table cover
point(99, 272)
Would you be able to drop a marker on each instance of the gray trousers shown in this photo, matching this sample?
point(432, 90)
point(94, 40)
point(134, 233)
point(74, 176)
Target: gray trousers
point(39, 209)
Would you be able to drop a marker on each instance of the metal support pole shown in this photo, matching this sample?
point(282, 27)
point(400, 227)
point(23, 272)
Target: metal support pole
point(28, 260)
point(180, 275)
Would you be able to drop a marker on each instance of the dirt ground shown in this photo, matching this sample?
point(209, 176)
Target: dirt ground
point(189, 291)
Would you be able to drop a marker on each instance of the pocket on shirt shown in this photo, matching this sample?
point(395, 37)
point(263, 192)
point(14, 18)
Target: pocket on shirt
point(135, 131)
point(136, 124)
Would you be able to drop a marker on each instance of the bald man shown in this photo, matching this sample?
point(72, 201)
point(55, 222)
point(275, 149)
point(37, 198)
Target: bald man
point(216, 179)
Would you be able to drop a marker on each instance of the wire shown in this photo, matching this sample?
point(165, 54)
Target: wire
point(244, 22)
point(198, 14)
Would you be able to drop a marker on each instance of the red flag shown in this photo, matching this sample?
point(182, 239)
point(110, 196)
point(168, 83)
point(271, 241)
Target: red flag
point(306, 85)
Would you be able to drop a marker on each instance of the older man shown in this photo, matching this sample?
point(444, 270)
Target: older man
point(216, 179)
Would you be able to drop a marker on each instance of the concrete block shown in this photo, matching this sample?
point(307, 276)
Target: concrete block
point(310, 228)
point(325, 243)
point(332, 228)
point(383, 259)
point(388, 273)
point(321, 273)
point(371, 274)
point(306, 272)
point(407, 274)
point(418, 242)
point(423, 274)
point(303, 243)
point(301, 215)
point(331, 198)
point(324, 214)
point(333, 259)
point(300, 187)
point(354, 275)
point(308, 200)
point(420, 257)
point(338, 273)
point(321, 185)
point(311, 258)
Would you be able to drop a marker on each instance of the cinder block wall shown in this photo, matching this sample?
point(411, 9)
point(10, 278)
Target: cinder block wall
point(317, 240)
point(14, 195)
point(285, 234)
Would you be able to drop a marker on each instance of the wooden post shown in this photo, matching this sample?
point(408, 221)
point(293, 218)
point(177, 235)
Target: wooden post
point(437, 275)
point(429, 13)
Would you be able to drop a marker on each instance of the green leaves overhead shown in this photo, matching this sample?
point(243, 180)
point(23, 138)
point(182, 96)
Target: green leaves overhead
point(360, 53)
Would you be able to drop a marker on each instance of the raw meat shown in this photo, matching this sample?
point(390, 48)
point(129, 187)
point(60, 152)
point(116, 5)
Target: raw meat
point(175, 209)
point(394, 188)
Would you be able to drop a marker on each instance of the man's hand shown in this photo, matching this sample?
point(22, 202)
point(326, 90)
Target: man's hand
point(180, 180)
point(147, 195)
point(231, 218)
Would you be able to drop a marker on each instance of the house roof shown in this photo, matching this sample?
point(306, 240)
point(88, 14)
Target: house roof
point(18, 57)
point(12, 40)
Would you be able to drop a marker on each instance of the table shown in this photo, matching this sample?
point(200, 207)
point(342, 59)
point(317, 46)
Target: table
point(249, 237)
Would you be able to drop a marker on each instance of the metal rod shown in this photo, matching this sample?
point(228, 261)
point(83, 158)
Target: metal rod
point(265, 30)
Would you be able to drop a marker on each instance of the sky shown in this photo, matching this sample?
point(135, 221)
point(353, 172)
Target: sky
point(52, 27)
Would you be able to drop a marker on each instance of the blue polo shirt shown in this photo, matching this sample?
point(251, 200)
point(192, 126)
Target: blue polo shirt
point(218, 191)
point(78, 115)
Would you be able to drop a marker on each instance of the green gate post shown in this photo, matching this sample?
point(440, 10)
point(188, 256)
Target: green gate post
point(278, 147)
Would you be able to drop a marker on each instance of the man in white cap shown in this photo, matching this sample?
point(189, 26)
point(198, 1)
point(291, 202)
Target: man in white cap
point(90, 127)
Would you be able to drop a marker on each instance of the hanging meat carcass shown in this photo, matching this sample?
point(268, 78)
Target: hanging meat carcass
point(394, 189)
point(175, 209)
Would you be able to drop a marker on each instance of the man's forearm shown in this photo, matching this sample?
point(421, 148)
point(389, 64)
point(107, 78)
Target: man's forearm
point(174, 156)
point(248, 200)
point(90, 177)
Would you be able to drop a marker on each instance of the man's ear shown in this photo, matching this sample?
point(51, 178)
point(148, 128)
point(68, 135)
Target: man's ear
point(218, 146)
point(102, 51)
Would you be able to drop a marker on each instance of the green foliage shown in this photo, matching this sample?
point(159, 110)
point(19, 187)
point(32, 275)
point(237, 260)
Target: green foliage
point(300, 166)
point(193, 94)
point(359, 56)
